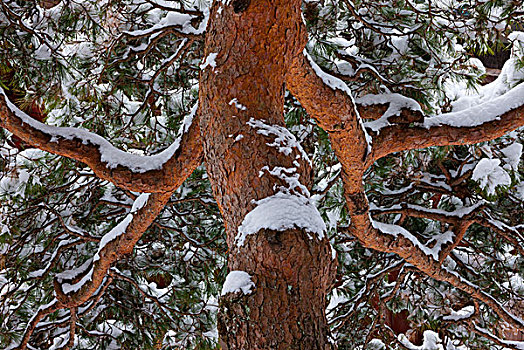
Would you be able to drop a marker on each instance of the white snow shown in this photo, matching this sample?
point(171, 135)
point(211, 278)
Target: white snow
point(337, 84)
point(490, 174)
point(73, 273)
point(460, 212)
point(285, 141)
point(291, 178)
point(41, 272)
point(396, 230)
point(491, 101)
point(462, 314)
point(376, 344)
point(395, 102)
point(432, 341)
point(209, 61)
point(175, 20)
point(291, 207)
point(113, 234)
point(237, 104)
point(60, 342)
point(139, 202)
point(481, 113)
point(511, 343)
point(71, 288)
point(109, 154)
point(513, 154)
point(238, 281)
point(515, 283)
point(331, 81)
point(280, 212)
point(473, 108)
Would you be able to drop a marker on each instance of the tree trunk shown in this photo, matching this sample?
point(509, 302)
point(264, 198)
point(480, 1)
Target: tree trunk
point(249, 48)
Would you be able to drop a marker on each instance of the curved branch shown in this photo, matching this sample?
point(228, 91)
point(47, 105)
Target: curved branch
point(117, 243)
point(511, 344)
point(328, 100)
point(162, 172)
point(42, 311)
point(114, 245)
point(330, 105)
point(372, 236)
point(483, 122)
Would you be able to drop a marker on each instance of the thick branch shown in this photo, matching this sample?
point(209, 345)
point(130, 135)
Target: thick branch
point(328, 100)
point(480, 123)
point(332, 108)
point(334, 111)
point(117, 243)
point(163, 172)
point(403, 246)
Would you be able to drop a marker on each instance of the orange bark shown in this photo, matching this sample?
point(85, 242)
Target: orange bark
point(167, 179)
point(293, 272)
point(257, 47)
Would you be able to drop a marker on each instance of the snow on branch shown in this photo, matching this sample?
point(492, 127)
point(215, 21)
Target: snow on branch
point(395, 240)
point(396, 103)
point(430, 213)
point(495, 111)
point(390, 238)
point(395, 230)
point(482, 113)
point(484, 122)
point(512, 344)
point(154, 173)
point(117, 242)
point(180, 23)
point(337, 84)
point(415, 255)
point(42, 311)
point(331, 81)
point(109, 154)
point(326, 99)
point(464, 313)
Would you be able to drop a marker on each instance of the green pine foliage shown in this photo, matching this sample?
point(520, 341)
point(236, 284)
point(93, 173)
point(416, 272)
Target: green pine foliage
point(94, 64)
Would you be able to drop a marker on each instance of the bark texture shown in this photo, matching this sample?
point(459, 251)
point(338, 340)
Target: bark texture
point(254, 43)
point(254, 51)
point(165, 180)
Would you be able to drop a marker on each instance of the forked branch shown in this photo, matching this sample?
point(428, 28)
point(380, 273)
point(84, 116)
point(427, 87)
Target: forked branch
point(117, 243)
point(373, 235)
point(496, 118)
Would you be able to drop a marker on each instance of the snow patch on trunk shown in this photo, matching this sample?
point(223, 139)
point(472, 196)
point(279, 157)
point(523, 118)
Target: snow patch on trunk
point(238, 281)
point(209, 61)
point(280, 212)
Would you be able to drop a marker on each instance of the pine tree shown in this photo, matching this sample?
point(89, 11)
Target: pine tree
point(261, 174)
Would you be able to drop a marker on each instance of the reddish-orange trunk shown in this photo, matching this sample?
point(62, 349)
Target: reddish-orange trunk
point(249, 48)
